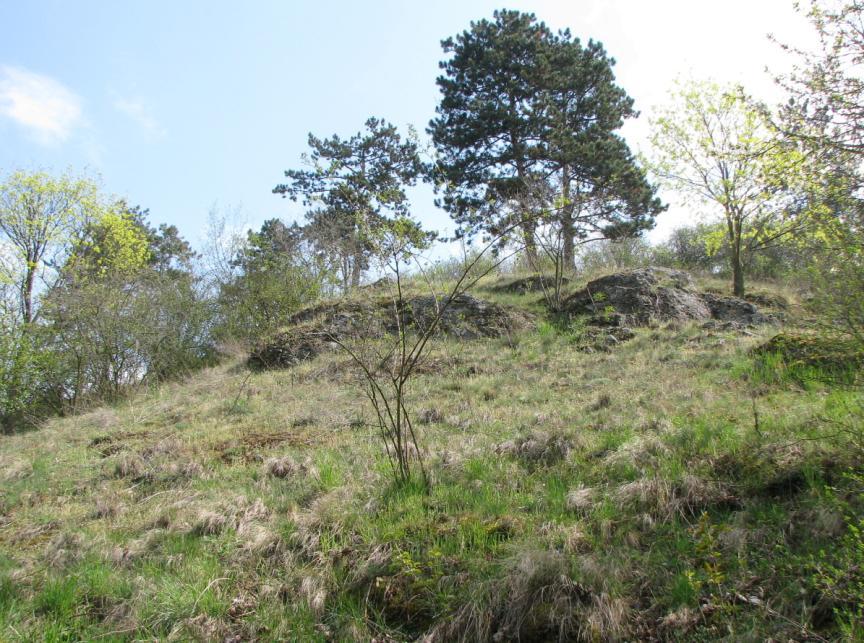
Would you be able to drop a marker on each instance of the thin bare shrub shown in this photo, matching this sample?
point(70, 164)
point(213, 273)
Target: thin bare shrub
point(387, 364)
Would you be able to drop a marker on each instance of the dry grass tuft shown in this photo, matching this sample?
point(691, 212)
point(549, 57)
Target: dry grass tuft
point(258, 539)
point(537, 449)
point(314, 593)
point(327, 512)
point(541, 601)
point(106, 508)
point(63, 550)
point(536, 601)
point(129, 465)
point(252, 522)
point(662, 499)
point(571, 539)
point(680, 621)
point(204, 628)
point(645, 453)
point(209, 523)
point(607, 619)
point(373, 564)
point(181, 470)
point(256, 511)
point(288, 467)
point(102, 418)
point(15, 469)
point(165, 446)
point(603, 401)
point(581, 499)
point(430, 416)
point(135, 549)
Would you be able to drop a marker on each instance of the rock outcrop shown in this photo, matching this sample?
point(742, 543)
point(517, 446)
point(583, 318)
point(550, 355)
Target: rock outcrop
point(533, 283)
point(322, 327)
point(638, 297)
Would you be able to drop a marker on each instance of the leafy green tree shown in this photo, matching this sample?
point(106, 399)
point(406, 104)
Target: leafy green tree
point(525, 134)
point(826, 90)
point(120, 331)
point(40, 216)
point(488, 133)
point(604, 193)
point(356, 183)
point(705, 247)
point(24, 364)
point(339, 241)
point(115, 243)
point(128, 310)
point(271, 245)
point(713, 147)
point(276, 275)
point(824, 120)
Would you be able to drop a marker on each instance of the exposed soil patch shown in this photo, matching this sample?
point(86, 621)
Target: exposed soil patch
point(250, 447)
point(108, 445)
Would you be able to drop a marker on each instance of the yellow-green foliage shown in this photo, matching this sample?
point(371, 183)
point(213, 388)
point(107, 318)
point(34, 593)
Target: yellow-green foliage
point(119, 244)
point(123, 246)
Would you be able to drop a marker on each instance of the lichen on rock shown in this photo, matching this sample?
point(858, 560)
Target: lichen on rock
point(638, 297)
point(321, 328)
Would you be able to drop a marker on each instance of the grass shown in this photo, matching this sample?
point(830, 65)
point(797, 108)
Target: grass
point(678, 486)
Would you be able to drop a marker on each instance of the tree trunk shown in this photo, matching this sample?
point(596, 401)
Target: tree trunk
point(567, 225)
point(357, 259)
point(27, 293)
point(737, 274)
point(527, 224)
point(568, 250)
point(356, 269)
point(734, 225)
point(529, 228)
point(345, 272)
point(530, 242)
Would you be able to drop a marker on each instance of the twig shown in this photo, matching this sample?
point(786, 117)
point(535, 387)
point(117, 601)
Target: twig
point(240, 391)
point(757, 602)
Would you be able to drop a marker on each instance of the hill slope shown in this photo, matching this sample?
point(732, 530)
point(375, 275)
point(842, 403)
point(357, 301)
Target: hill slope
point(673, 486)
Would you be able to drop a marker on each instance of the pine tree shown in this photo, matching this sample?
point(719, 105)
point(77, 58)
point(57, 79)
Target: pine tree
point(357, 184)
point(525, 136)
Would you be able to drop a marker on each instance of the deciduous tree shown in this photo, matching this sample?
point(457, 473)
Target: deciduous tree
point(40, 216)
point(718, 151)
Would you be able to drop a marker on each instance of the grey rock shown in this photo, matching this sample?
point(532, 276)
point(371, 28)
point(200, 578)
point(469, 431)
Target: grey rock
point(323, 327)
point(534, 283)
point(645, 296)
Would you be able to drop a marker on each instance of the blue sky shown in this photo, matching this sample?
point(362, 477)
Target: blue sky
point(182, 105)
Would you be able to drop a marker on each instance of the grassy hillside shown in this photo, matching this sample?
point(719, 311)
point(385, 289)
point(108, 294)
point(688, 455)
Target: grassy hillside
point(674, 487)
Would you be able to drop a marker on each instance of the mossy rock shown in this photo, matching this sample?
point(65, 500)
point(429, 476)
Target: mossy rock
point(323, 327)
point(829, 354)
point(531, 284)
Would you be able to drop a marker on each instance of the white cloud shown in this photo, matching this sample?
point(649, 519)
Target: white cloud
point(40, 104)
point(135, 109)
